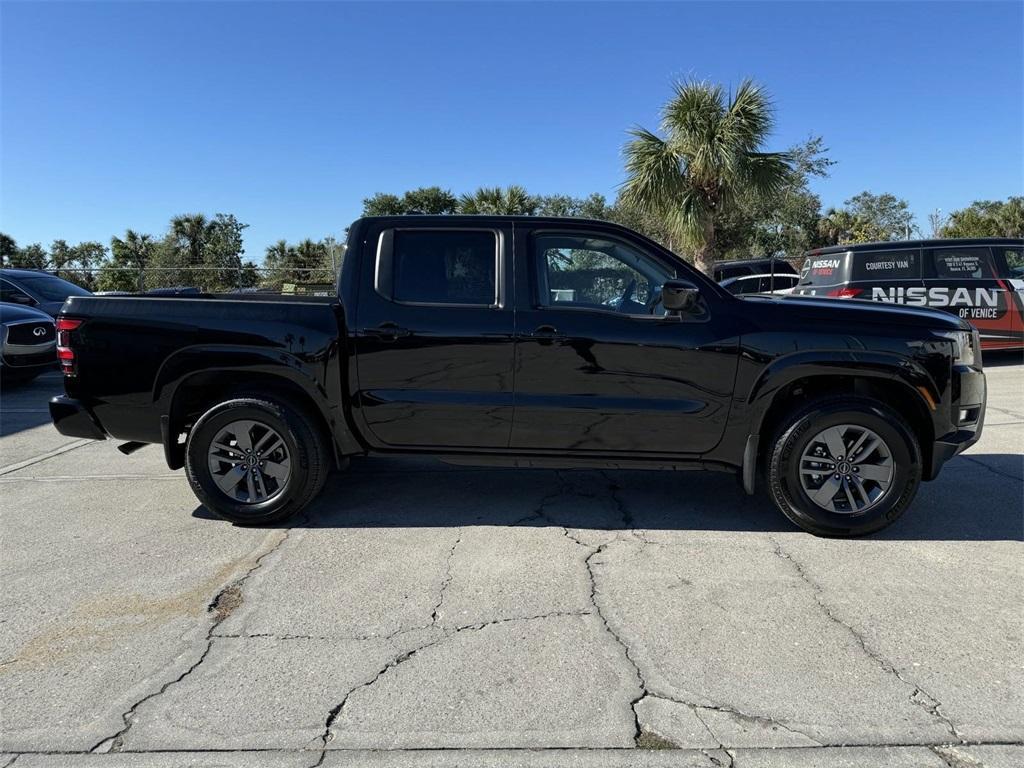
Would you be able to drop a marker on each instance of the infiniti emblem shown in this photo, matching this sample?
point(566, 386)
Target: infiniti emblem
point(39, 331)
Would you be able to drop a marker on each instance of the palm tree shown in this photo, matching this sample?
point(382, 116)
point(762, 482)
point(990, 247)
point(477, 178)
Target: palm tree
point(191, 230)
point(708, 157)
point(495, 201)
point(837, 226)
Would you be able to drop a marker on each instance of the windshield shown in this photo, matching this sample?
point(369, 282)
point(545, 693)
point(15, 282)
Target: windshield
point(51, 288)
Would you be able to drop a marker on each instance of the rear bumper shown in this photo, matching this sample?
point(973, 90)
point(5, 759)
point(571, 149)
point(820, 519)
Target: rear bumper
point(73, 419)
point(970, 403)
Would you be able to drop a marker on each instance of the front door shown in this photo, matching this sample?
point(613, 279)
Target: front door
point(600, 367)
point(434, 337)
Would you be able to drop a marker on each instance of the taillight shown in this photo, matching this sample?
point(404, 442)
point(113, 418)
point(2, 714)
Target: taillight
point(845, 293)
point(65, 354)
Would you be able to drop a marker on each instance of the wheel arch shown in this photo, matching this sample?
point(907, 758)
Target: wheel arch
point(796, 385)
point(188, 386)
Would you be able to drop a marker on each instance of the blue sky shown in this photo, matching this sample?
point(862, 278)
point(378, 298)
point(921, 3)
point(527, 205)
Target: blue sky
point(120, 115)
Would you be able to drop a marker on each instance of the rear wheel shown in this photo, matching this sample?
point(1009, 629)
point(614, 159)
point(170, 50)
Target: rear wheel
point(844, 466)
point(255, 461)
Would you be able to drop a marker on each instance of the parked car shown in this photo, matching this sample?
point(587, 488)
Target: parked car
point(527, 341)
point(31, 288)
point(724, 270)
point(980, 280)
point(28, 344)
point(782, 283)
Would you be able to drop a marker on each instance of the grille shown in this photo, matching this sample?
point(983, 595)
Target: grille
point(28, 333)
point(39, 358)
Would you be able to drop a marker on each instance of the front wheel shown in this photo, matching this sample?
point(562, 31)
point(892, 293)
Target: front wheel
point(844, 466)
point(255, 461)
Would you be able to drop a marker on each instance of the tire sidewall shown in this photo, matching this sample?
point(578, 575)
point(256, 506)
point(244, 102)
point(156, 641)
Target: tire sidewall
point(197, 464)
point(793, 500)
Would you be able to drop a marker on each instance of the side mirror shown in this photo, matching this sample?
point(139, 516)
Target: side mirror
point(679, 296)
point(21, 298)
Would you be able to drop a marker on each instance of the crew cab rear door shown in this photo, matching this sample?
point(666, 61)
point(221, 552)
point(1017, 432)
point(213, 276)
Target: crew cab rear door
point(434, 336)
point(600, 368)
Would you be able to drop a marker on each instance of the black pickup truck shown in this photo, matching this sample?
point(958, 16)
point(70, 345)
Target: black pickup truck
point(525, 341)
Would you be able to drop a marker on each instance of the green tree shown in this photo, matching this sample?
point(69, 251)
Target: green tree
point(223, 252)
point(513, 200)
point(594, 206)
point(32, 256)
point(785, 221)
point(428, 200)
point(708, 157)
point(190, 232)
point(129, 256)
point(987, 218)
point(837, 226)
point(8, 250)
point(880, 217)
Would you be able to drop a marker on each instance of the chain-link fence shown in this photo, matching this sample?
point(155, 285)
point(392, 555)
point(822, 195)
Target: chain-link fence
point(118, 280)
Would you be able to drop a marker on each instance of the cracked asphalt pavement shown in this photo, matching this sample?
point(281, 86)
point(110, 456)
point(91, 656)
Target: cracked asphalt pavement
point(427, 615)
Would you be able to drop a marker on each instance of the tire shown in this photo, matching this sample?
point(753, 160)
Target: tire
point(860, 504)
point(289, 477)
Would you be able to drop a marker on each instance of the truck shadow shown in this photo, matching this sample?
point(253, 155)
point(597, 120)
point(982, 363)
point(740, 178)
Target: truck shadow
point(977, 498)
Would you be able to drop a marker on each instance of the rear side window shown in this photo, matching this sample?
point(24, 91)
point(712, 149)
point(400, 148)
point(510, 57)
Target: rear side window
point(887, 265)
point(1014, 261)
point(959, 263)
point(824, 269)
point(439, 267)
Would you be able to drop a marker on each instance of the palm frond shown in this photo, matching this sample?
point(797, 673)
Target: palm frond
point(655, 176)
point(765, 173)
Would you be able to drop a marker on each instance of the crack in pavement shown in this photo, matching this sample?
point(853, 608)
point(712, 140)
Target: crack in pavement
point(220, 606)
point(336, 712)
point(918, 695)
point(638, 732)
point(954, 758)
point(993, 469)
point(445, 582)
point(645, 691)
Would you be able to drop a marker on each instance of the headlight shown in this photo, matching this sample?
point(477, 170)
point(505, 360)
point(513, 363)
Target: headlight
point(964, 350)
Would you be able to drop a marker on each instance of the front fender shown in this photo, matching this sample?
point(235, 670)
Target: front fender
point(859, 363)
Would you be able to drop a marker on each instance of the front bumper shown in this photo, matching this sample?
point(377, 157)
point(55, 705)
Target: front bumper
point(73, 419)
point(970, 402)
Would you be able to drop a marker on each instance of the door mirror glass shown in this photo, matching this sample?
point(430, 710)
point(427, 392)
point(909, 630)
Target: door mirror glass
point(679, 296)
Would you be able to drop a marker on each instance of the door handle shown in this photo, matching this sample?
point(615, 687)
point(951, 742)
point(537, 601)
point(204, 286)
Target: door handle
point(547, 333)
point(388, 331)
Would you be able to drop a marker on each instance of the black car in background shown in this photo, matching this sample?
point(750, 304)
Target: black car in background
point(981, 280)
point(28, 344)
point(40, 290)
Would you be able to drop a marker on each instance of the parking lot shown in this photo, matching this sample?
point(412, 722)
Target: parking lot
point(422, 614)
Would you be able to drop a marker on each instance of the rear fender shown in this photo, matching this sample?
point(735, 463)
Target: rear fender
point(238, 362)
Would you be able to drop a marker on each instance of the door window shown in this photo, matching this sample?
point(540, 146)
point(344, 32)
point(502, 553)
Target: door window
point(585, 272)
point(960, 263)
point(1014, 261)
point(445, 267)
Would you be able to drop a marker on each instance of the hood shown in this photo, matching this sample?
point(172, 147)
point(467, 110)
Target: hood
point(815, 309)
point(13, 312)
